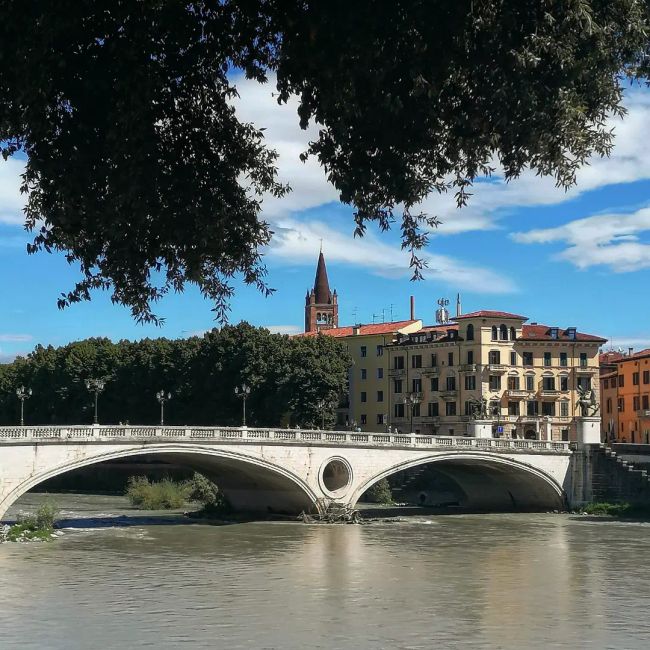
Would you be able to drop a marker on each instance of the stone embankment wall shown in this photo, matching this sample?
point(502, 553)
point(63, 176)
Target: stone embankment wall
point(601, 474)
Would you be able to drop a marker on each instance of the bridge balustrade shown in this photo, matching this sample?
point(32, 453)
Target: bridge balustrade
point(244, 435)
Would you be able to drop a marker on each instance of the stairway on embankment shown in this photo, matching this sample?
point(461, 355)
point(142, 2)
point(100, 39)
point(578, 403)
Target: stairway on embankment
point(618, 480)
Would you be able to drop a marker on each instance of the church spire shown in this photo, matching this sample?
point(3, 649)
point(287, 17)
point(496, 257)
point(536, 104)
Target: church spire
point(321, 283)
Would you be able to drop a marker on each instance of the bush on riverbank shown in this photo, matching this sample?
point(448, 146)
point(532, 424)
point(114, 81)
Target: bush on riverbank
point(616, 509)
point(380, 492)
point(33, 527)
point(168, 494)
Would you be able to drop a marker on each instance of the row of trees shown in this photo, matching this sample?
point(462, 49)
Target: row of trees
point(288, 378)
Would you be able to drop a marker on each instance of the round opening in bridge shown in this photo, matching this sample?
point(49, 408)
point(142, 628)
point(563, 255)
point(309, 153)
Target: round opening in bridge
point(336, 476)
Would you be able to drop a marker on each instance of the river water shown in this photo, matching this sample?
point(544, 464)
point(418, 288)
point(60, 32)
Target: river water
point(463, 581)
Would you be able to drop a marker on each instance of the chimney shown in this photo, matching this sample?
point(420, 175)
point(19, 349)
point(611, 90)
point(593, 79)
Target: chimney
point(412, 308)
point(458, 307)
point(629, 352)
point(356, 330)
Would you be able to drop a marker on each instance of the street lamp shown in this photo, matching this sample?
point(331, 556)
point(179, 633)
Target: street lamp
point(411, 399)
point(22, 394)
point(243, 392)
point(162, 397)
point(95, 386)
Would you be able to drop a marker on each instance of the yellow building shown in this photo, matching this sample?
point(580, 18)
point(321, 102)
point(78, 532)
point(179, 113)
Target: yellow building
point(528, 374)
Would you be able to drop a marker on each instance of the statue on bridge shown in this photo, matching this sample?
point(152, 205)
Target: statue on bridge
point(479, 408)
point(587, 402)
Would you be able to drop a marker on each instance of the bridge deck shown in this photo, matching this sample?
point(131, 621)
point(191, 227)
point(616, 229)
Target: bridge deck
point(245, 435)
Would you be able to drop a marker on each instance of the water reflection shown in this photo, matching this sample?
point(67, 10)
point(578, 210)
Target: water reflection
point(485, 581)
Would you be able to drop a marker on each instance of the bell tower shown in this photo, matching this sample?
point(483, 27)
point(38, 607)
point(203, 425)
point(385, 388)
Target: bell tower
point(321, 304)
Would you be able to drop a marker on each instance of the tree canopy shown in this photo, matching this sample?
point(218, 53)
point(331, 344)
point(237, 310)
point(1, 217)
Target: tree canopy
point(288, 378)
point(140, 171)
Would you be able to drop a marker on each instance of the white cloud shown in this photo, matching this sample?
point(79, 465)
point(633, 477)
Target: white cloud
point(625, 342)
point(283, 329)
point(11, 200)
point(15, 338)
point(612, 240)
point(296, 242)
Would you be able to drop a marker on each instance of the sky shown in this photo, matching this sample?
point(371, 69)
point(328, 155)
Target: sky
point(577, 258)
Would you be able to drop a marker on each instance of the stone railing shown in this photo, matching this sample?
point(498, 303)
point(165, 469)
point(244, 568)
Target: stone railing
point(246, 435)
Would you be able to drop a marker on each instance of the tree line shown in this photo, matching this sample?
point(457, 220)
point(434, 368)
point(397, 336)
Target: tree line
point(290, 379)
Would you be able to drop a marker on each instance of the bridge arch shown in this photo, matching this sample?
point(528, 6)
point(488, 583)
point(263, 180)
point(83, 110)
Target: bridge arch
point(489, 481)
point(250, 483)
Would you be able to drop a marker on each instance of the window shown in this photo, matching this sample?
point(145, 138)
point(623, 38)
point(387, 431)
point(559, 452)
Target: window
point(532, 408)
point(636, 403)
point(513, 408)
point(564, 361)
point(450, 408)
point(494, 333)
point(513, 383)
point(528, 358)
point(380, 373)
point(380, 395)
point(398, 410)
point(470, 382)
point(494, 357)
point(364, 396)
point(364, 373)
point(380, 419)
point(565, 435)
point(470, 357)
point(469, 335)
point(513, 358)
point(364, 418)
point(584, 383)
point(564, 383)
point(548, 383)
point(564, 409)
point(495, 382)
point(433, 410)
point(416, 361)
point(380, 353)
point(398, 363)
point(364, 351)
point(646, 376)
point(554, 332)
point(583, 359)
point(613, 382)
point(468, 407)
point(451, 382)
point(621, 405)
point(606, 383)
point(547, 359)
point(417, 385)
point(530, 382)
point(450, 358)
point(608, 405)
point(435, 384)
point(513, 334)
point(644, 403)
point(434, 360)
point(398, 385)
point(503, 333)
point(635, 378)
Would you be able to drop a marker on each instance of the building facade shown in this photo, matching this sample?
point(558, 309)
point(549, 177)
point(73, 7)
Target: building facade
point(626, 399)
point(528, 375)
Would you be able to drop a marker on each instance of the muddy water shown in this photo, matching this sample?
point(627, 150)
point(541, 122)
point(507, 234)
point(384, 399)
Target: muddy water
point(120, 578)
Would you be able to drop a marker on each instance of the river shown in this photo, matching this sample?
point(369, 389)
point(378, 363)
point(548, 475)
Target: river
point(464, 581)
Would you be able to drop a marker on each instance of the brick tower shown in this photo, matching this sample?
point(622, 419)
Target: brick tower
point(321, 304)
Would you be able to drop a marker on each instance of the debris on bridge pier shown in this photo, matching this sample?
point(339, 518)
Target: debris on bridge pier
point(332, 513)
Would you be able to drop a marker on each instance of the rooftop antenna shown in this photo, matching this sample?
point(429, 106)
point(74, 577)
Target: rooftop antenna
point(391, 312)
point(374, 318)
point(321, 244)
point(383, 314)
point(442, 314)
point(354, 314)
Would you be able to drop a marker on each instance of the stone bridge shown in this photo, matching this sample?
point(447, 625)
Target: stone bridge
point(289, 470)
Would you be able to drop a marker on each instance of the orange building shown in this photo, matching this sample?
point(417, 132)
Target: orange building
point(625, 399)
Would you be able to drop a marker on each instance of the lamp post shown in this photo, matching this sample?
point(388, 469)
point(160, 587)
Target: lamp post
point(163, 397)
point(411, 399)
point(321, 404)
point(95, 386)
point(22, 394)
point(243, 392)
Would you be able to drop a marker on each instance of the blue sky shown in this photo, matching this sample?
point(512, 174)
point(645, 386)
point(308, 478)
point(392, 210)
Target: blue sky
point(579, 258)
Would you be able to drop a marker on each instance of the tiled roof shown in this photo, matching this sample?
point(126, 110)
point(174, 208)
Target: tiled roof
point(364, 330)
point(438, 328)
point(543, 333)
point(609, 357)
point(486, 313)
point(637, 355)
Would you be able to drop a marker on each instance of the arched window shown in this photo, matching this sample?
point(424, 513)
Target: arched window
point(503, 333)
point(513, 334)
point(494, 332)
point(470, 332)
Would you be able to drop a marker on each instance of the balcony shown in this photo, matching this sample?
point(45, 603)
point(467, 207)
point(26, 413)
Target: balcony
point(587, 370)
point(517, 393)
point(449, 394)
point(432, 371)
point(397, 372)
point(498, 368)
point(467, 367)
point(428, 419)
point(549, 392)
point(644, 414)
